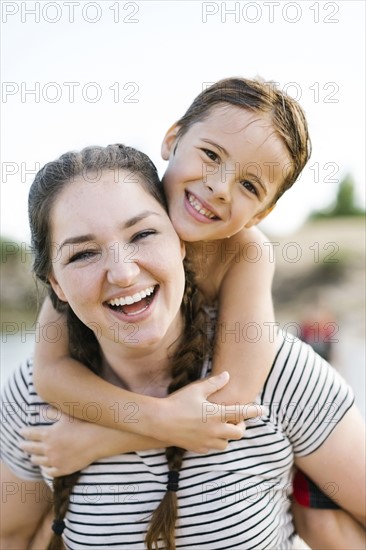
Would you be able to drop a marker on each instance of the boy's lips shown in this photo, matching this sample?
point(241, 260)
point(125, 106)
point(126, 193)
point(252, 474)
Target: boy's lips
point(201, 207)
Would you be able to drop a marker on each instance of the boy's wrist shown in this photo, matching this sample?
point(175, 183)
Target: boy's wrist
point(146, 418)
point(160, 419)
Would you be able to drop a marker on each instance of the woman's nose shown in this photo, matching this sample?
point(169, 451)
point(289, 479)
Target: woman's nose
point(122, 266)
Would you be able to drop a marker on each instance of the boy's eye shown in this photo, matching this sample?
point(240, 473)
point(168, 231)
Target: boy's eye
point(250, 187)
point(85, 255)
point(211, 155)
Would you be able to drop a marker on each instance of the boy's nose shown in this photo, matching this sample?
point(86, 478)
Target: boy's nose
point(219, 181)
point(219, 189)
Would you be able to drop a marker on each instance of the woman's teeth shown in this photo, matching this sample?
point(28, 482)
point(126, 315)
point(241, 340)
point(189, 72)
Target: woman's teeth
point(128, 300)
point(198, 206)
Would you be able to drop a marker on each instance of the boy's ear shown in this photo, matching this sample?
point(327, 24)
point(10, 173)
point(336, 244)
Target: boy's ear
point(183, 249)
point(259, 217)
point(169, 141)
point(57, 289)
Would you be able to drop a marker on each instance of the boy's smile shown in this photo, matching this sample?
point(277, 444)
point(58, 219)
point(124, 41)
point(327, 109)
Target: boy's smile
point(199, 209)
point(223, 173)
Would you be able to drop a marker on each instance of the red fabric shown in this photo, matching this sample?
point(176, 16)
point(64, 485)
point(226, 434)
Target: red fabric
point(301, 489)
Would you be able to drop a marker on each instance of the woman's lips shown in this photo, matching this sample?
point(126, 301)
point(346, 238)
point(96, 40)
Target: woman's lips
point(133, 307)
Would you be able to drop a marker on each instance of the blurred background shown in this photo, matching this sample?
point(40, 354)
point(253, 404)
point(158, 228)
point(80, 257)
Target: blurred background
point(81, 73)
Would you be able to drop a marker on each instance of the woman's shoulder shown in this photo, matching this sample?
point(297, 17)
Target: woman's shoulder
point(20, 407)
point(296, 360)
point(303, 391)
point(18, 392)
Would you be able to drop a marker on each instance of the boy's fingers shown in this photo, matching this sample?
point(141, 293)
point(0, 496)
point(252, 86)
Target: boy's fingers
point(32, 434)
point(235, 413)
point(31, 447)
point(252, 411)
point(215, 383)
point(52, 472)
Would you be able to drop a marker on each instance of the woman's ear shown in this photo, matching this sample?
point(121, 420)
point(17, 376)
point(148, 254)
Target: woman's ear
point(57, 289)
point(259, 217)
point(169, 141)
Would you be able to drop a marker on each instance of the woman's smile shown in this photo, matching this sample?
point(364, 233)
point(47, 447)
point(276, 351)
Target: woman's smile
point(134, 308)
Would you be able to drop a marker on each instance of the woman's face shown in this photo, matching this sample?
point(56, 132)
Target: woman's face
point(117, 260)
point(223, 173)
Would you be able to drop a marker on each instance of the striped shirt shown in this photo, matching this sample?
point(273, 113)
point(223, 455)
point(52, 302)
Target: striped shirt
point(232, 499)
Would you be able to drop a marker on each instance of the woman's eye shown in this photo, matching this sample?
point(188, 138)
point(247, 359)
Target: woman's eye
point(250, 187)
point(85, 255)
point(143, 234)
point(211, 155)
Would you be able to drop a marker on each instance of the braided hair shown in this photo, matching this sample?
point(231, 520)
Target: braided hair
point(186, 367)
point(187, 359)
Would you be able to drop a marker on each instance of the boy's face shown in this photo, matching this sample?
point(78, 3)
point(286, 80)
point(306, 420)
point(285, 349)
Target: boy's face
point(223, 173)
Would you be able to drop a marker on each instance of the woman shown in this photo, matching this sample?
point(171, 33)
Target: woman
point(234, 498)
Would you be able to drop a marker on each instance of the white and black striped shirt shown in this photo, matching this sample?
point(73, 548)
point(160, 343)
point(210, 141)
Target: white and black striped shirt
point(236, 499)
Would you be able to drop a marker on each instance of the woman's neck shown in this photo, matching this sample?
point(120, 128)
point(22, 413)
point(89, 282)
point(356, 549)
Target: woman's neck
point(141, 369)
point(147, 375)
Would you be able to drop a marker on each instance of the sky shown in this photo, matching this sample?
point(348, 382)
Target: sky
point(77, 73)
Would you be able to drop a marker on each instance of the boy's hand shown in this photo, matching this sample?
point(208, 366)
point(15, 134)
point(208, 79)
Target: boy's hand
point(188, 420)
point(64, 447)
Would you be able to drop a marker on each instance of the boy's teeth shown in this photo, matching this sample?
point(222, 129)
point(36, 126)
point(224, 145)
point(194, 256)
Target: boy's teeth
point(128, 300)
point(198, 206)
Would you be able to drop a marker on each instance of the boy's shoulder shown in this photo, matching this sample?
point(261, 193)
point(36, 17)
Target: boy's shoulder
point(251, 246)
point(250, 236)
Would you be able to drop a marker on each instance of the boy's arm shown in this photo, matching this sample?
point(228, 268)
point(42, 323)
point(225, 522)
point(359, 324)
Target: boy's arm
point(71, 387)
point(70, 445)
point(245, 342)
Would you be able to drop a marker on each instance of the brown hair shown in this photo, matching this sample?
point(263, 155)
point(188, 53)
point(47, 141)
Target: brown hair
point(55, 175)
point(193, 345)
point(258, 96)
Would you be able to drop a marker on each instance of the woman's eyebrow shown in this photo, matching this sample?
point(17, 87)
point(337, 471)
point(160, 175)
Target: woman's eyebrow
point(128, 223)
point(136, 219)
point(216, 145)
point(77, 240)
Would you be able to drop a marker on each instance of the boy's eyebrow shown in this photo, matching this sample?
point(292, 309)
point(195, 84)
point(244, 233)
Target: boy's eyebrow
point(126, 225)
point(216, 145)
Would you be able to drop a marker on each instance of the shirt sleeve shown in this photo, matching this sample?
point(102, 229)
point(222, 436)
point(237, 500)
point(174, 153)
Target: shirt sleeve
point(20, 408)
point(307, 396)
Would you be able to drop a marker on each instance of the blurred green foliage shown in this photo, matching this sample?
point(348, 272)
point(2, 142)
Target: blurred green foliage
point(19, 294)
point(345, 202)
